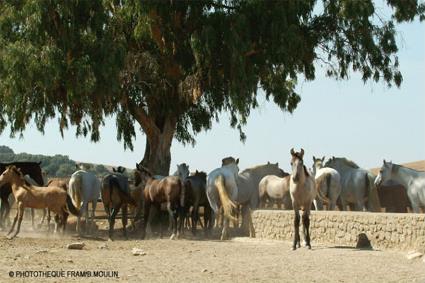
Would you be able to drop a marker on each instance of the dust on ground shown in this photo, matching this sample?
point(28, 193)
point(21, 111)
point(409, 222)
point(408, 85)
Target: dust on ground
point(199, 260)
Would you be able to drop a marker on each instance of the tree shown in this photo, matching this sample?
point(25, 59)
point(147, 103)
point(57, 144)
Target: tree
point(173, 66)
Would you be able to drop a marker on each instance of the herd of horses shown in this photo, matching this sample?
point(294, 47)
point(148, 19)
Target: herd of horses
point(225, 193)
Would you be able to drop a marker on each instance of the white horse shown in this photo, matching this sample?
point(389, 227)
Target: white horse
point(357, 187)
point(412, 180)
point(84, 187)
point(303, 192)
point(273, 189)
point(328, 184)
point(221, 190)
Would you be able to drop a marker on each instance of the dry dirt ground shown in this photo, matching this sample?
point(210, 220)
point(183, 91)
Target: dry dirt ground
point(196, 260)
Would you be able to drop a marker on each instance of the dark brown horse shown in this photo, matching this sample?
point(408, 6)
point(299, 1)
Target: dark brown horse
point(116, 195)
point(169, 190)
point(32, 169)
point(195, 196)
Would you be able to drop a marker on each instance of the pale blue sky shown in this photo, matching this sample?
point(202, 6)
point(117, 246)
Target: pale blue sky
point(363, 122)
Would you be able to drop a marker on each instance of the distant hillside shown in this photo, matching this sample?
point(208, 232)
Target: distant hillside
point(55, 166)
point(417, 165)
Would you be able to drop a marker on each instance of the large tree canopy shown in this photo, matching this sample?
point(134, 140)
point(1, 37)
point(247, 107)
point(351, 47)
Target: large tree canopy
point(173, 66)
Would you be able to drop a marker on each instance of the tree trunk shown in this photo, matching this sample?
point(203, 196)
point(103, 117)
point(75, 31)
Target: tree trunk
point(157, 155)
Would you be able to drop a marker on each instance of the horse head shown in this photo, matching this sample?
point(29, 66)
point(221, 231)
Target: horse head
point(229, 160)
point(141, 174)
point(384, 173)
point(297, 164)
point(9, 174)
point(182, 171)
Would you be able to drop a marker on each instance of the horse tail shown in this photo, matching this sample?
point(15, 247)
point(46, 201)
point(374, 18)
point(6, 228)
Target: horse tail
point(76, 188)
point(114, 184)
point(371, 194)
point(319, 181)
point(182, 192)
point(70, 206)
point(226, 202)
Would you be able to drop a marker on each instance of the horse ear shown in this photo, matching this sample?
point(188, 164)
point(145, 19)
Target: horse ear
point(314, 159)
point(237, 161)
point(292, 151)
point(277, 164)
point(113, 169)
point(196, 172)
point(385, 163)
point(302, 153)
point(268, 162)
point(323, 159)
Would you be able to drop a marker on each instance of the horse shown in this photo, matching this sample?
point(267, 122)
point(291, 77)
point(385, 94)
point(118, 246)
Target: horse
point(115, 193)
point(84, 187)
point(303, 191)
point(32, 169)
point(195, 196)
point(221, 190)
point(328, 184)
point(169, 190)
point(273, 189)
point(412, 180)
point(52, 198)
point(244, 192)
point(357, 185)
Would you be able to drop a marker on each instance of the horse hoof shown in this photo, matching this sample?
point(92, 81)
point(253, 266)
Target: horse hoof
point(172, 237)
point(309, 247)
point(110, 239)
point(294, 248)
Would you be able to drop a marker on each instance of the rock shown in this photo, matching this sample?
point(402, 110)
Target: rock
point(204, 270)
point(76, 246)
point(41, 251)
point(414, 255)
point(363, 242)
point(136, 251)
point(70, 260)
point(103, 246)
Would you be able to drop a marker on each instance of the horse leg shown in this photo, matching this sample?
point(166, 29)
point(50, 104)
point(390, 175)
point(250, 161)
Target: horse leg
point(65, 221)
point(6, 212)
point(225, 231)
point(32, 219)
point(124, 211)
point(306, 227)
point(297, 230)
point(57, 223)
point(114, 213)
point(92, 224)
point(195, 217)
point(173, 221)
point(19, 216)
point(207, 220)
point(144, 222)
point(48, 222)
point(14, 222)
point(43, 217)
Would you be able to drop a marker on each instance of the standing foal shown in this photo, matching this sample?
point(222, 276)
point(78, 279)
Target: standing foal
point(303, 192)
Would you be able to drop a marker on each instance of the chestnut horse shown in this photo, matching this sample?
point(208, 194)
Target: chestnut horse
point(52, 198)
point(32, 169)
point(169, 190)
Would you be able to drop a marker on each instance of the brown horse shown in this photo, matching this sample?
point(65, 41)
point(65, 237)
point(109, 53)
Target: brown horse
point(169, 190)
point(116, 195)
point(196, 196)
point(32, 169)
point(52, 198)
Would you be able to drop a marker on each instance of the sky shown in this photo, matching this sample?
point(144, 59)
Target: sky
point(363, 122)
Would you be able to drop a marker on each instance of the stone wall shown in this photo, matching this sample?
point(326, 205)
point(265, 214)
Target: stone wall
point(399, 231)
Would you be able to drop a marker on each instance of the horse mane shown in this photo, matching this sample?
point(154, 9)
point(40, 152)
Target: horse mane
point(257, 167)
point(306, 171)
point(397, 166)
point(348, 162)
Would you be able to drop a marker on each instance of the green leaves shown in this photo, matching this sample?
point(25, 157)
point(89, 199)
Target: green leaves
point(186, 61)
